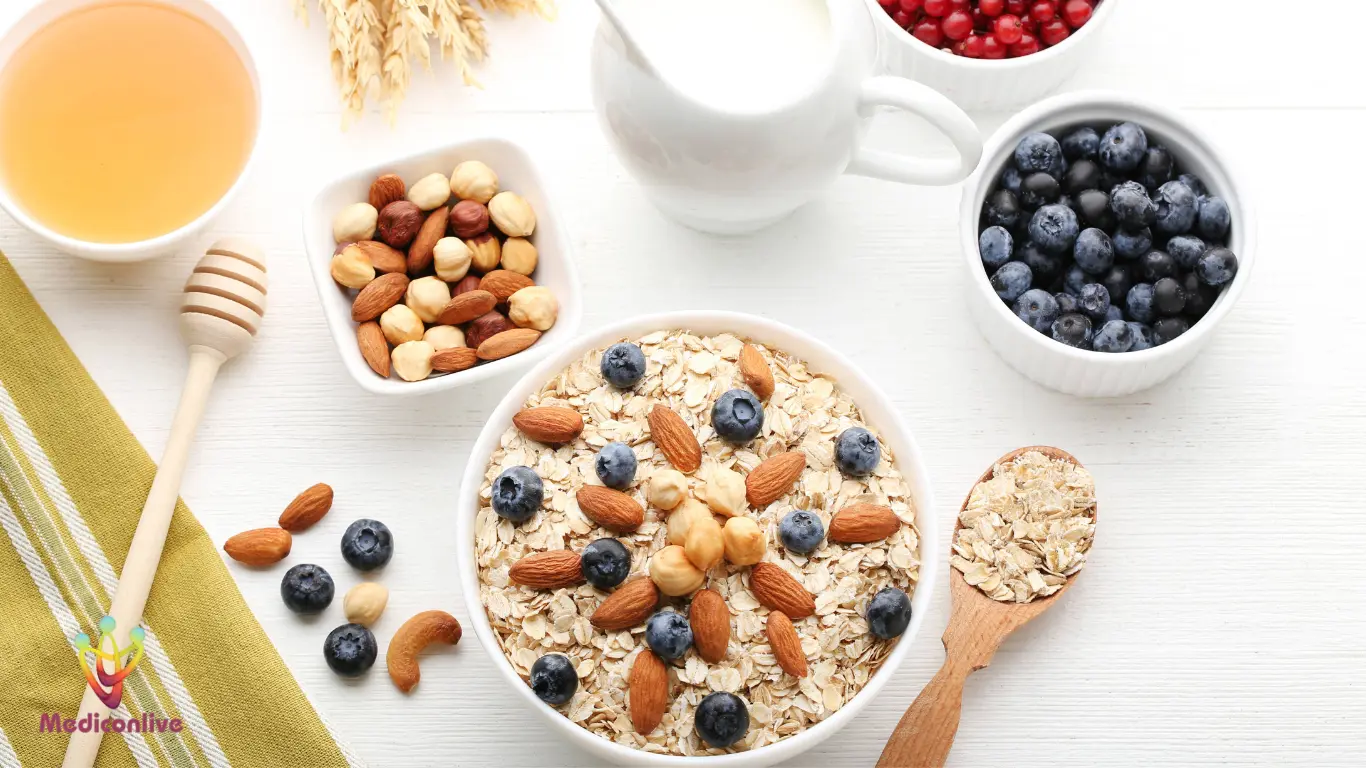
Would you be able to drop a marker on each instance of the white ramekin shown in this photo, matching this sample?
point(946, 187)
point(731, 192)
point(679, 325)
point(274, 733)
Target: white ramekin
point(43, 14)
point(554, 267)
point(1083, 372)
point(983, 85)
point(879, 411)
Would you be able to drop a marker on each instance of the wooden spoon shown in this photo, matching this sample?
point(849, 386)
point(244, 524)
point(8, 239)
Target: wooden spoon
point(977, 626)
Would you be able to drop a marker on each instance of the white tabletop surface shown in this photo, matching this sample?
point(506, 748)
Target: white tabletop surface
point(1221, 618)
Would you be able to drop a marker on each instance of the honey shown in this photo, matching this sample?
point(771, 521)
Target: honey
point(124, 121)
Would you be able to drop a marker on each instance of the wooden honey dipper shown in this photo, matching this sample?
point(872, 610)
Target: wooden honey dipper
point(224, 302)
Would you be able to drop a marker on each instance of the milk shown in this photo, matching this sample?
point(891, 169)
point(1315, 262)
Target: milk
point(740, 55)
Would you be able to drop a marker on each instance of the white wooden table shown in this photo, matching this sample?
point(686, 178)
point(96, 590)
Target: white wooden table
point(1221, 620)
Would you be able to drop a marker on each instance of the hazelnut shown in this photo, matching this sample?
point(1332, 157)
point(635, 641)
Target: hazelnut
point(519, 256)
point(683, 518)
point(400, 324)
point(355, 222)
point(704, 545)
point(472, 180)
point(426, 297)
point(725, 492)
point(469, 219)
point(512, 214)
point(352, 268)
point(486, 326)
point(399, 223)
point(674, 573)
point(745, 544)
point(667, 488)
point(485, 252)
point(443, 337)
point(467, 283)
point(452, 258)
point(430, 192)
point(535, 307)
point(413, 360)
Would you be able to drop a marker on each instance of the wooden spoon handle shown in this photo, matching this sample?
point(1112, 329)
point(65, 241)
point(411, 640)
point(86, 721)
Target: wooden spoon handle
point(925, 734)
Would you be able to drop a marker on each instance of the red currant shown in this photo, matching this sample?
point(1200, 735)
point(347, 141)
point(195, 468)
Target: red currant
point(1053, 32)
point(936, 8)
point(928, 32)
point(1008, 29)
point(902, 19)
point(911, 6)
point(1043, 11)
point(888, 3)
point(957, 25)
point(1028, 44)
point(991, 7)
point(993, 48)
point(1076, 12)
point(1015, 7)
point(973, 47)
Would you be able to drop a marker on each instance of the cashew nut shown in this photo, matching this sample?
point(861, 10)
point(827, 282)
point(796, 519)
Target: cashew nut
point(417, 633)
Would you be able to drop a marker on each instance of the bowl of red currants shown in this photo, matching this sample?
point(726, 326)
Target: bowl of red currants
point(988, 54)
point(1105, 239)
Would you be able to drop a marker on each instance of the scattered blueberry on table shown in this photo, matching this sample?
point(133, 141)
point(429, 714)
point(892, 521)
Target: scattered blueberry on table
point(307, 588)
point(350, 650)
point(367, 544)
point(553, 679)
point(1098, 238)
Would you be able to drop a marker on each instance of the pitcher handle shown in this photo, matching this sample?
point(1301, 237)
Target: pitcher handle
point(887, 91)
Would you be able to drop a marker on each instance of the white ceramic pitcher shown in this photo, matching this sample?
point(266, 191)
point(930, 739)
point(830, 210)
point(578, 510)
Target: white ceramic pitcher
point(733, 172)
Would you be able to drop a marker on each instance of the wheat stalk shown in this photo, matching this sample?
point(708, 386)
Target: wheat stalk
point(367, 42)
point(460, 34)
point(338, 37)
point(407, 29)
point(543, 8)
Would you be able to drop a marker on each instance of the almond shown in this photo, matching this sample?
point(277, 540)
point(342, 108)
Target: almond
point(649, 689)
point(454, 359)
point(466, 307)
point(772, 479)
point(549, 424)
point(755, 371)
point(675, 439)
point(863, 523)
point(710, 622)
point(382, 257)
point(373, 347)
point(421, 251)
point(307, 508)
point(787, 647)
point(503, 283)
point(548, 570)
point(263, 546)
point(387, 189)
point(507, 343)
point(381, 293)
point(776, 589)
point(631, 604)
point(610, 508)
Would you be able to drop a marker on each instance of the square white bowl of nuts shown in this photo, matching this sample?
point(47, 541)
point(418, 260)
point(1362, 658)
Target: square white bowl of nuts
point(442, 268)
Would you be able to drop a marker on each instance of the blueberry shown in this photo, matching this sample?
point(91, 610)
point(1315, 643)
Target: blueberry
point(1094, 301)
point(1093, 208)
point(1143, 337)
point(1083, 175)
point(1003, 209)
point(668, 635)
point(1115, 336)
point(623, 365)
point(1037, 308)
point(1199, 297)
point(1154, 266)
point(1216, 266)
point(1075, 279)
point(1011, 280)
point(1010, 179)
point(1168, 329)
point(1081, 143)
point(1117, 280)
point(1067, 303)
point(1039, 152)
point(1186, 249)
point(995, 244)
point(1194, 182)
point(1132, 207)
point(1139, 302)
point(1068, 201)
point(1214, 219)
point(1123, 147)
point(1093, 251)
point(857, 452)
point(307, 589)
point(517, 494)
point(1074, 330)
point(616, 465)
point(367, 544)
point(721, 719)
point(737, 416)
point(1169, 297)
point(1044, 266)
point(1039, 189)
point(1054, 228)
point(1157, 168)
point(1114, 313)
point(889, 613)
point(1130, 244)
point(1176, 208)
point(605, 563)
point(553, 679)
point(801, 531)
point(350, 650)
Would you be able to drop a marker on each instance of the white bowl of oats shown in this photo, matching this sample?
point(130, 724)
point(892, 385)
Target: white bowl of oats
point(766, 687)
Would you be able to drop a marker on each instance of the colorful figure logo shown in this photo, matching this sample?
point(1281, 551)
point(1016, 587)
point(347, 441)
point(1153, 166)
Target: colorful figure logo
point(109, 685)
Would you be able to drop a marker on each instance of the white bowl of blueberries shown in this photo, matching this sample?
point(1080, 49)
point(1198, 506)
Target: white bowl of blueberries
point(1105, 239)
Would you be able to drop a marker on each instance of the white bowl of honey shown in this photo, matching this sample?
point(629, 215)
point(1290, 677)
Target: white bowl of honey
point(125, 125)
